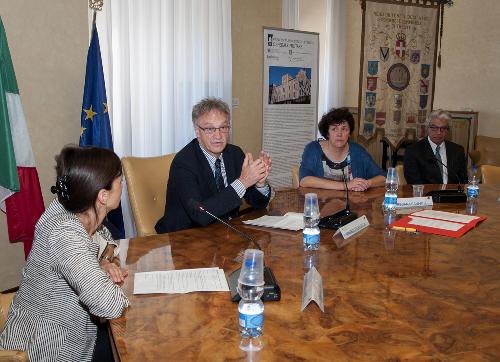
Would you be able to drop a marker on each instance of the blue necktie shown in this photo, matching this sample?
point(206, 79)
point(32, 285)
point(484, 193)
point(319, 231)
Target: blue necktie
point(219, 180)
point(438, 156)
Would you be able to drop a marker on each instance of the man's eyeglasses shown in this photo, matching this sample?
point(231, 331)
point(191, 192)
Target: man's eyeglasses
point(211, 130)
point(436, 128)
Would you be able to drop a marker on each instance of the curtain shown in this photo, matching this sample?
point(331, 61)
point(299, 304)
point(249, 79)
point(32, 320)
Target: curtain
point(332, 89)
point(160, 57)
point(290, 14)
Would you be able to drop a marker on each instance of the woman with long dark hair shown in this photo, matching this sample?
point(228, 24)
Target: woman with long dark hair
point(65, 288)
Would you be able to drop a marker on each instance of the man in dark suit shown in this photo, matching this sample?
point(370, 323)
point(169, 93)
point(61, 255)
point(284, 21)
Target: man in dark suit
point(211, 173)
point(433, 160)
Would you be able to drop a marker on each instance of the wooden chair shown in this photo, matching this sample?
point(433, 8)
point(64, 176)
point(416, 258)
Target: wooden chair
point(487, 151)
point(147, 179)
point(396, 155)
point(490, 175)
point(401, 174)
point(9, 355)
point(295, 177)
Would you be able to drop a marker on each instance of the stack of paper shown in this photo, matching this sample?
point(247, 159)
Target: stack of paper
point(290, 221)
point(181, 281)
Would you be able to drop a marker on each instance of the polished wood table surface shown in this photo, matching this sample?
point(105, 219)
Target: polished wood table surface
point(388, 295)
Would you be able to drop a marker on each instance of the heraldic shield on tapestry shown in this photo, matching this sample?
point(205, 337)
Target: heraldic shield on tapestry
point(398, 69)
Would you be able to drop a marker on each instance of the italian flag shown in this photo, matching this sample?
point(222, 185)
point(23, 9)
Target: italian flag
point(20, 193)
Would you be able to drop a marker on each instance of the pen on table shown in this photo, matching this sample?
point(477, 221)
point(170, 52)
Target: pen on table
point(411, 230)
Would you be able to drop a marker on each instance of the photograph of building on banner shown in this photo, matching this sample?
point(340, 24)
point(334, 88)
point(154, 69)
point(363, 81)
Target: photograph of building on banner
point(398, 69)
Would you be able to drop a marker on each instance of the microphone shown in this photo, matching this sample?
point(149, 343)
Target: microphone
point(439, 162)
point(448, 195)
point(272, 291)
point(345, 216)
point(198, 206)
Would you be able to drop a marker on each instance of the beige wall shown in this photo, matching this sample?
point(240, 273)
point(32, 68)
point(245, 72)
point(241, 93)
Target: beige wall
point(248, 18)
point(313, 19)
point(48, 42)
point(470, 72)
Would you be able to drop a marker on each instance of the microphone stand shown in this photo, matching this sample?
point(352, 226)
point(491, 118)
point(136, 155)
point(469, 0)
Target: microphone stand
point(448, 195)
point(346, 192)
point(272, 291)
point(343, 217)
point(245, 235)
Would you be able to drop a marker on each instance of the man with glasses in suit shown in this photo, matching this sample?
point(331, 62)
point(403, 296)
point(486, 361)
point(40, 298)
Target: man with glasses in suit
point(213, 174)
point(434, 160)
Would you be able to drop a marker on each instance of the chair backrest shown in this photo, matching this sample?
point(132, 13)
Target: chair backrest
point(295, 177)
point(9, 355)
point(490, 175)
point(5, 302)
point(147, 179)
point(401, 174)
point(489, 149)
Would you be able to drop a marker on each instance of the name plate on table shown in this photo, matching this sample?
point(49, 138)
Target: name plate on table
point(404, 202)
point(353, 227)
point(312, 289)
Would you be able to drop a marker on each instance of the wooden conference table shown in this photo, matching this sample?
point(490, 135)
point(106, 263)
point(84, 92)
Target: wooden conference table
point(388, 296)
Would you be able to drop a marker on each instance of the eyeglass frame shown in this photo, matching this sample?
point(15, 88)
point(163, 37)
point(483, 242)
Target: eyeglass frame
point(212, 130)
point(440, 129)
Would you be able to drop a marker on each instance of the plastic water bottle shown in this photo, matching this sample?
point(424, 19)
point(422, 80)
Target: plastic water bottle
point(391, 189)
point(471, 207)
point(311, 259)
point(389, 234)
point(473, 186)
point(311, 220)
point(251, 308)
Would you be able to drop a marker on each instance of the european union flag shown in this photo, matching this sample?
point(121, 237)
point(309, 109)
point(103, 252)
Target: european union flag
point(96, 127)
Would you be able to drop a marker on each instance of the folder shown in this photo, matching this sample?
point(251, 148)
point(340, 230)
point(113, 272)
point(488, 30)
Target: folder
point(439, 222)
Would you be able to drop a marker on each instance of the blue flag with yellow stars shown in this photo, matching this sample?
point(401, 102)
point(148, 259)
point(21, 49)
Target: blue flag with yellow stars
point(95, 125)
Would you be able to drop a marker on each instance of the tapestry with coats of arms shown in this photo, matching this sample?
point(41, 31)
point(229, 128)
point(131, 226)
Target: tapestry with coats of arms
point(399, 44)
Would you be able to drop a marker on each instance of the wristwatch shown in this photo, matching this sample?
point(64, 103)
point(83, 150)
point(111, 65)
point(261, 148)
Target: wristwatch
point(107, 257)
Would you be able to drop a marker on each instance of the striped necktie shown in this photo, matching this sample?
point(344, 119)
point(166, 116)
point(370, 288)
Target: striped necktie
point(438, 156)
point(219, 180)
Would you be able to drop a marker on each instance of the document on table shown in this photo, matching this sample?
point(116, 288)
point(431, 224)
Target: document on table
point(439, 222)
point(441, 219)
point(290, 221)
point(443, 215)
point(434, 223)
point(181, 281)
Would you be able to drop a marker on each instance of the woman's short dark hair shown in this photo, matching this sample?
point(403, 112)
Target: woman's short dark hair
point(335, 116)
point(81, 173)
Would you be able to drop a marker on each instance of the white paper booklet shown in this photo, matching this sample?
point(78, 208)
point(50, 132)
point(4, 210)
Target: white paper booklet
point(181, 281)
point(290, 221)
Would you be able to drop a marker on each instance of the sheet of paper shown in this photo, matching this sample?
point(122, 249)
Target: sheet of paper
point(312, 289)
point(181, 281)
point(443, 215)
point(290, 221)
point(439, 224)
